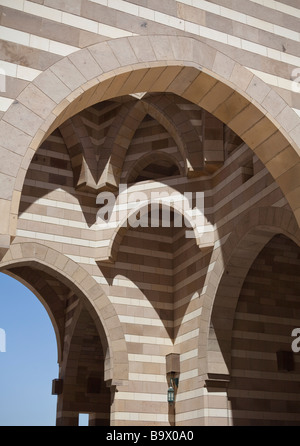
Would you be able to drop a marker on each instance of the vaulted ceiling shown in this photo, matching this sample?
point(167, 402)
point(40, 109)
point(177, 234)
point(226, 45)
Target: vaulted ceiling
point(153, 136)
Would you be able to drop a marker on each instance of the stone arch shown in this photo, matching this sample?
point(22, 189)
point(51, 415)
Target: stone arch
point(85, 359)
point(262, 329)
point(127, 122)
point(167, 113)
point(46, 259)
point(181, 65)
point(54, 313)
point(141, 163)
point(252, 232)
point(195, 228)
point(116, 144)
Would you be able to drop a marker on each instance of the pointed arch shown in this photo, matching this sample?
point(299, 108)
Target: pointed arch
point(143, 162)
point(167, 197)
point(128, 120)
point(45, 259)
point(252, 232)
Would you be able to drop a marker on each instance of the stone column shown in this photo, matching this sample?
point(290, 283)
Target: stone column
point(117, 406)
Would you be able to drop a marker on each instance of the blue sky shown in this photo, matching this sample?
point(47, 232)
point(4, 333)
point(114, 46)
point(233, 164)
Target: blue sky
point(29, 363)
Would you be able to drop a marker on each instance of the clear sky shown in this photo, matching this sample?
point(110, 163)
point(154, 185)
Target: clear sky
point(29, 362)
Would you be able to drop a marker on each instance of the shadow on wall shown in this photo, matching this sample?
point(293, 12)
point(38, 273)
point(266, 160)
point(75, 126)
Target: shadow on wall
point(262, 391)
point(160, 267)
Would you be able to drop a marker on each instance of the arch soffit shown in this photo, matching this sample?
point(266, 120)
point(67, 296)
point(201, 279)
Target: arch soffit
point(87, 289)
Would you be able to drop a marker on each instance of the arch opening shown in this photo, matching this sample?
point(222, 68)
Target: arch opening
point(84, 354)
point(29, 360)
point(253, 230)
point(263, 388)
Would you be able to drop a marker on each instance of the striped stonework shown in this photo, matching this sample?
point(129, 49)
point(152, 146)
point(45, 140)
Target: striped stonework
point(149, 196)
